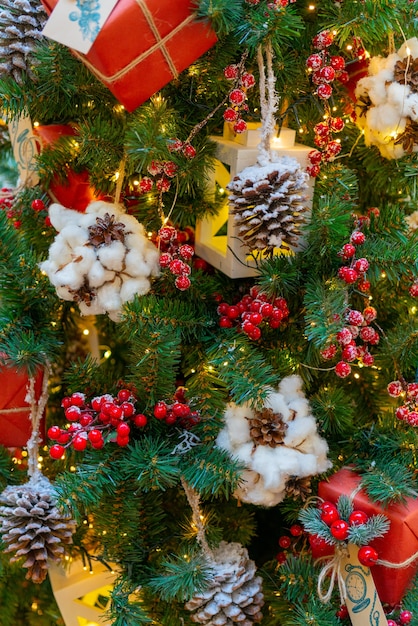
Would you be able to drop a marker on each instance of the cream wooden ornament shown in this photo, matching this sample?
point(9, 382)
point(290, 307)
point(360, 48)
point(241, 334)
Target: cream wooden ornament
point(79, 592)
point(217, 239)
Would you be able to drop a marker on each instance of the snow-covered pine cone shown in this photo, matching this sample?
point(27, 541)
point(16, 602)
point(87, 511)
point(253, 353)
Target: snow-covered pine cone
point(21, 24)
point(33, 528)
point(235, 596)
point(268, 204)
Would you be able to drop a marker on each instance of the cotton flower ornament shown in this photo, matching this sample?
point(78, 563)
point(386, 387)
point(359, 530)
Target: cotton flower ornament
point(387, 102)
point(100, 259)
point(279, 445)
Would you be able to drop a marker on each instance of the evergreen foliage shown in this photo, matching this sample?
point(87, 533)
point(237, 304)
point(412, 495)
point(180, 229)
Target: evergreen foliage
point(146, 505)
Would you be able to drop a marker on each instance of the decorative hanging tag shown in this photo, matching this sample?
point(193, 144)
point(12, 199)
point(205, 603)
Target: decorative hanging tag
point(25, 148)
point(76, 23)
point(361, 599)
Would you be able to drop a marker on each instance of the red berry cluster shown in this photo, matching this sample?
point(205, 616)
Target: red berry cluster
point(237, 97)
point(325, 67)
point(251, 311)
point(340, 528)
point(408, 411)
point(178, 412)
point(290, 543)
point(163, 171)
point(105, 418)
point(328, 147)
point(276, 4)
point(353, 341)
point(355, 270)
point(405, 617)
point(175, 257)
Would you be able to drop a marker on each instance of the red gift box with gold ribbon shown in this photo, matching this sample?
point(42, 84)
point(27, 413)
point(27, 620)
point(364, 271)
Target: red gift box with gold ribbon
point(396, 546)
point(15, 423)
point(143, 45)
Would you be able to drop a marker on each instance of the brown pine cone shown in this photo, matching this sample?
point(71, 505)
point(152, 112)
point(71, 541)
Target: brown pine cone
point(267, 428)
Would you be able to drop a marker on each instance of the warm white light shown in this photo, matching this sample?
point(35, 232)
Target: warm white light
point(107, 354)
point(86, 331)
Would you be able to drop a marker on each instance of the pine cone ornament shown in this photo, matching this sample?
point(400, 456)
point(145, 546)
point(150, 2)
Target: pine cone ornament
point(21, 24)
point(33, 528)
point(269, 204)
point(299, 488)
point(267, 428)
point(406, 73)
point(235, 595)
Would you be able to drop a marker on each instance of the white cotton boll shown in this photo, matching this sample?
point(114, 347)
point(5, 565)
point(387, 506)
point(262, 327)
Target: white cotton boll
point(397, 95)
point(411, 107)
point(223, 441)
point(308, 465)
point(277, 403)
point(410, 47)
point(243, 453)
point(98, 275)
point(108, 296)
point(99, 208)
point(377, 88)
point(133, 286)
point(385, 119)
point(132, 226)
point(236, 422)
point(94, 308)
point(291, 387)
point(253, 491)
point(134, 261)
point(301, 406)
point(69, 276)
point(112, 255)
point(64, 293)
point(265, 461)
point(83, 257)
point(60, 252)
point(74, 235)
point(61, 216)
point(299, 430)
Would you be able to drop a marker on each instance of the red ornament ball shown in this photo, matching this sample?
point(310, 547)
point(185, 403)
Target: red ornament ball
point(342, 612)
point(367, 556)
point(405, 617)
point(357, 518)
point(339, 529)
point(56, 451)
point(38, 204)
point(329, 513)
point(296, 530)
point(284, 541)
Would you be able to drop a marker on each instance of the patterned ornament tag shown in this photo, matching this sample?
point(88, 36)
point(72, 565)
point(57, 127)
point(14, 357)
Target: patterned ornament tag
point(363, 603)
point(76, 23)
point(25, 149)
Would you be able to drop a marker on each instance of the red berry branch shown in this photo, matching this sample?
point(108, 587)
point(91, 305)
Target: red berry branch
point(110, 419)
point(353, 341)
point(253, 311)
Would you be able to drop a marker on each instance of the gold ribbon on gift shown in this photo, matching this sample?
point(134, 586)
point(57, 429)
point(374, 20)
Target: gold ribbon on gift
point(161, 45)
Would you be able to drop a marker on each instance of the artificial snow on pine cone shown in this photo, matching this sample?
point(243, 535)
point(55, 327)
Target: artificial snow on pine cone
point(99, 259)
point(235, 595)
point(33, 528)
point(279, 445)
point(21, 24)
point(268, 203)
point(387, 102)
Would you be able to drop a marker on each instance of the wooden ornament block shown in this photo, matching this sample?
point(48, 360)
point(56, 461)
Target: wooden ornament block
point(217, 239)
point(82, 595)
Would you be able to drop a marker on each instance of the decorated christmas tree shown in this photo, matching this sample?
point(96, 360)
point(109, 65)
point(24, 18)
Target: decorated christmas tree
point(208, 298)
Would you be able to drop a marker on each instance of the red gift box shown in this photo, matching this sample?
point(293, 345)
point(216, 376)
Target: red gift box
point(75, 192)
point(15, 423)
point(143, 45)
point(396, 546)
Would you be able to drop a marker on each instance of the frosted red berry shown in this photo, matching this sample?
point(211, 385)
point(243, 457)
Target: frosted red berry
point(357, 237)
point(342, 369)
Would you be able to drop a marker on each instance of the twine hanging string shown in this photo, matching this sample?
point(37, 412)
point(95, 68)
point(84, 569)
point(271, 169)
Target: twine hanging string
point(37, 409)
point(269, 102)
point(333, 567)
point(193, 499)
